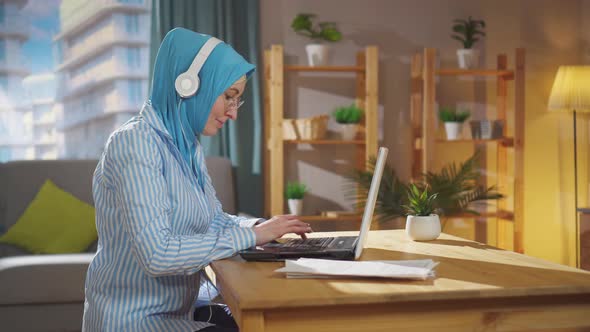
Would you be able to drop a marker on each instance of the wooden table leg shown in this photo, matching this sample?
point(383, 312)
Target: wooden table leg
point(252, 321)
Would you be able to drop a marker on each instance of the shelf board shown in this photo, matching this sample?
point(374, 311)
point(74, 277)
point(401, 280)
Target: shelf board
point(475, 72)
point(323, 141)
point(325, 68)
point(505, 141)
point(502, 214)
point(323, 218)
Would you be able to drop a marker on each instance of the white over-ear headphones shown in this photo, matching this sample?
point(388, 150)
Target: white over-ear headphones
point(187, 83)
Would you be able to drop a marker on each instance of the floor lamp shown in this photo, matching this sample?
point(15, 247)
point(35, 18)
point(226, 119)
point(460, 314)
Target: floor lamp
point(571, 92)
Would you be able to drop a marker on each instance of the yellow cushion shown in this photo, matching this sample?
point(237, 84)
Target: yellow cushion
point(55, 222)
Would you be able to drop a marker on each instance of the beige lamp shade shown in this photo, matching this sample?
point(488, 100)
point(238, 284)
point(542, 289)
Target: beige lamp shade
point(571, 89)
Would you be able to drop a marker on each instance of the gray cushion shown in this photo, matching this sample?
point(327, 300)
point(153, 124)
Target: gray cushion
point(21, 180)
point(43, 278)
point(56, 317)
point(7, 250)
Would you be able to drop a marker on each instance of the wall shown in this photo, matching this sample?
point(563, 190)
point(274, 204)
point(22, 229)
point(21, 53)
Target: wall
point(549, 30)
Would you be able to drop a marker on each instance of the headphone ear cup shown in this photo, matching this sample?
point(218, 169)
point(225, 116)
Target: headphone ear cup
point(186, 85)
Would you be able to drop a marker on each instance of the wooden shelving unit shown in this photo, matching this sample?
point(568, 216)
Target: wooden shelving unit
point(424, 114)
point(366, 77)
point(326, 141)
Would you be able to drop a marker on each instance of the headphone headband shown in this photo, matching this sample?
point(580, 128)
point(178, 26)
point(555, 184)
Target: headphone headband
point(202, 56)
point(187, 83)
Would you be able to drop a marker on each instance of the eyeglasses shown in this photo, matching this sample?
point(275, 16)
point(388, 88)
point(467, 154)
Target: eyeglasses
point(231, 103)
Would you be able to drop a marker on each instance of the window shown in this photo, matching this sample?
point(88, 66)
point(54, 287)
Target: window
point(96, 92)
point(133, 57)
point(5, 154)
point(2, 50)
point(132, 24)
point(135, 91)
point(58, 53)
point(2, 12)
point(4, 82)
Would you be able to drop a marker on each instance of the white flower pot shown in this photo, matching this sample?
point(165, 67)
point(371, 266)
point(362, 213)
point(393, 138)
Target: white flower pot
point(468, 58)
point(295, 206)
point(423, 228)
point(453, 130)
point(317, 54)
point(348, 131)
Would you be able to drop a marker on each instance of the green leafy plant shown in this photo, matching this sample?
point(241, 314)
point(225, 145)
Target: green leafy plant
point(456, 187)
point(295, 190)
point(449, 114)
point(420, 202)
point(348, 114)
point(467, 31)
point(391, 196)
point(302, 24)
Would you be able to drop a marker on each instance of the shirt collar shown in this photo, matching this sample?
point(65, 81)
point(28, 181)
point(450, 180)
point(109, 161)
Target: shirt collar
point(149, 115)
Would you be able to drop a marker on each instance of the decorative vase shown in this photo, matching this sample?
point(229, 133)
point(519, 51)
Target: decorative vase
point(295, 206)
point(423, 228)
point(348, 131)
point(498, 129)
point(481, 129)
point(317, 54)
point(453, 130)
point(468, 58)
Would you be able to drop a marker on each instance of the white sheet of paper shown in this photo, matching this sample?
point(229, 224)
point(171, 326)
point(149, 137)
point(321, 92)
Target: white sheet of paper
point(325, 268)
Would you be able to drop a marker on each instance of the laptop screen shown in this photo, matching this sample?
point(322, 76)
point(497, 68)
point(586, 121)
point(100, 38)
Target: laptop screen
point(371, 200)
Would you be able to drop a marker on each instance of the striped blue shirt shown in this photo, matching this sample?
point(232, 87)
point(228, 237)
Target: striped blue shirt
point(157, 229)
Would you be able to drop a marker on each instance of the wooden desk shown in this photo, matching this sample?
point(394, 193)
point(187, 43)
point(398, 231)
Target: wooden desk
point(478, 288)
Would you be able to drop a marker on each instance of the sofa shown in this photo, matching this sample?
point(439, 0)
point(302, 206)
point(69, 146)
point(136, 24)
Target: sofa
point(46, 292)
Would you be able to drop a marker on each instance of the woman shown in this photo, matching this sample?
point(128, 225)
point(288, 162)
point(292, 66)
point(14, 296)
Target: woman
point(158, 219)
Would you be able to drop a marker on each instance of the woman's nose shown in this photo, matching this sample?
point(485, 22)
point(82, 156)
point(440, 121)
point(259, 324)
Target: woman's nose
point(232, 114)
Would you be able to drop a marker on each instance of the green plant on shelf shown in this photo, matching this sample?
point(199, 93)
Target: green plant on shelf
point(450, 114)
point(303, 25)
point(348, 114)
point(467, 31)
point(456, 187)
point(295, 190)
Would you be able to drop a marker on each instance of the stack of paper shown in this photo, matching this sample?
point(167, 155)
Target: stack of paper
point(324, 268)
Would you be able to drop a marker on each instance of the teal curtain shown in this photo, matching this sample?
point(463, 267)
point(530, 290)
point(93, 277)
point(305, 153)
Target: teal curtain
point(236, 23)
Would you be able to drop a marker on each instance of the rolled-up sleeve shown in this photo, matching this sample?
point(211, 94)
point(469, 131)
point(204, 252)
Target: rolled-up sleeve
point(142, 195)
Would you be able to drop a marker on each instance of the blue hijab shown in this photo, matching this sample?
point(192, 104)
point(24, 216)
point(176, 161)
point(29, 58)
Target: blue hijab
point(185, 120)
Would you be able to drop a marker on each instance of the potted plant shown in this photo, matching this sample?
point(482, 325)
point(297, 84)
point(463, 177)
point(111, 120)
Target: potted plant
point(294, 193)
point(317, 52)
point(467, 32)
point(349, 118)
point(453, 121)
point(422, 224)
point(456, 187)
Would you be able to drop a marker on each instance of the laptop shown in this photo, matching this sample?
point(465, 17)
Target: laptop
point(341, 247)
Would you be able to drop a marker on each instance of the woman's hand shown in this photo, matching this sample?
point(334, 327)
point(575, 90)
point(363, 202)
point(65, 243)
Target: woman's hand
point(278, 226)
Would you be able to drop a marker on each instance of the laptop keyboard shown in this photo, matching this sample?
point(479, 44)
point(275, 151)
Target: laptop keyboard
point(320, 243)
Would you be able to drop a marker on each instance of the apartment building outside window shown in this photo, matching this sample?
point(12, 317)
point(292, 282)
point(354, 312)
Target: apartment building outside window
point(133, 57)
point(2, 50)
point(3, 82)
point(98, 55)
point(132, 24)
point(135, 95)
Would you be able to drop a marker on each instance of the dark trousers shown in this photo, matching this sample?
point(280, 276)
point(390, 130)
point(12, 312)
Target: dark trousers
point(220, 316)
